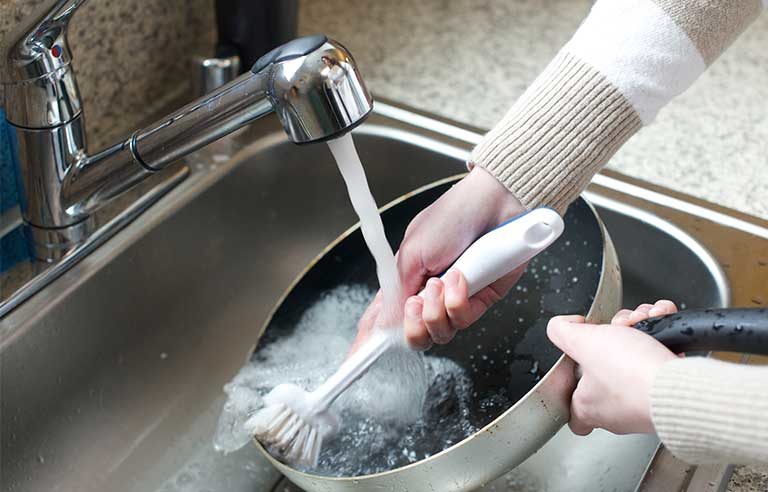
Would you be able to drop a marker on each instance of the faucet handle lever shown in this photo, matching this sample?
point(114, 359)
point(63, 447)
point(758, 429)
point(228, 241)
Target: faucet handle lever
point(41, 91)
point(31, 52)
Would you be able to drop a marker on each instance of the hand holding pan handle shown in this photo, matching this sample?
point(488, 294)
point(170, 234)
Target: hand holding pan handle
point(700, 330)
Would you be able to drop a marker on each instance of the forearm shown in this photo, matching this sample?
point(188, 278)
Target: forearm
point(708, 411)
point(626, 61)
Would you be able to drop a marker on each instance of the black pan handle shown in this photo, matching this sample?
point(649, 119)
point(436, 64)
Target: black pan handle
point(700, 330)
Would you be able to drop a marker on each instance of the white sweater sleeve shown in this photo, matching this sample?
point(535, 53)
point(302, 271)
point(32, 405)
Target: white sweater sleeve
point(626, 61)
point(709, 411)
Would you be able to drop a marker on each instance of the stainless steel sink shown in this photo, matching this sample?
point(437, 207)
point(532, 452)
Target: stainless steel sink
point(111, 376)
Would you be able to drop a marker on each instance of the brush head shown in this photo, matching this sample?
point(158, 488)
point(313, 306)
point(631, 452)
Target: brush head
point(291, 426)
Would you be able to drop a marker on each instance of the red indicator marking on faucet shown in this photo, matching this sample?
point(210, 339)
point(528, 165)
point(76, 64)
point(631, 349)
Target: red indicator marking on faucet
point(56, 51)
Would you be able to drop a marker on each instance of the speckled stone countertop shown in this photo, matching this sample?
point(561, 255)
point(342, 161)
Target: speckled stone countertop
point(469, 61)
point(749, 479)
point(132, 57)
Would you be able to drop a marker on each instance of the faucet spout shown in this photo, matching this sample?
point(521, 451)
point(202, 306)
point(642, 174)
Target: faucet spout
point(202, 121)
point(312, 83)
point(94, 180)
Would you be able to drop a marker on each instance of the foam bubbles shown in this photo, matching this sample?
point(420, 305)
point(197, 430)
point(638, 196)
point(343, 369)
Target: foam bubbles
point(306, 358)
point(388, 416)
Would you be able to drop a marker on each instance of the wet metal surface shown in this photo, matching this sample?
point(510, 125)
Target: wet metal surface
point(111, 377)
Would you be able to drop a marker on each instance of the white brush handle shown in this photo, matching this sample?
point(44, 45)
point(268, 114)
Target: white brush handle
point(492, 256)
point(507, 247)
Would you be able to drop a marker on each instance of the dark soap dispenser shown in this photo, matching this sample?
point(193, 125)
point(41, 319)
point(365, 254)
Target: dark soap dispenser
point(250, 28)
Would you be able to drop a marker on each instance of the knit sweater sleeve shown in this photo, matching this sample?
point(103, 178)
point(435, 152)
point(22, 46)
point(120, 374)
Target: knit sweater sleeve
point(709, 411)
point(624, 63)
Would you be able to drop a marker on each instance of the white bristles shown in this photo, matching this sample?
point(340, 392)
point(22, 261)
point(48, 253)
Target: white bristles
point(264, 419)
point(312, 449)
point(290, 412)
point(295, 434)
point(293, 438)
point(287, 432)
point(295, 451)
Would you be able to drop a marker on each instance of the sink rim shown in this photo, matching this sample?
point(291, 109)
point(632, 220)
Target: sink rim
point(191, 188)
point(686, 239)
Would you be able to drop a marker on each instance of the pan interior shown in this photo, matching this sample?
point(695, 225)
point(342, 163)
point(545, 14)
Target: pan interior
point(475, 378)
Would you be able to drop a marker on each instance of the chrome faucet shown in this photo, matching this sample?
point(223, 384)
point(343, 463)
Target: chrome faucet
point(312, 83)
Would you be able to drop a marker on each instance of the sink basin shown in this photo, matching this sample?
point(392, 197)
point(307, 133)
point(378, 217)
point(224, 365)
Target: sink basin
point(111, 376)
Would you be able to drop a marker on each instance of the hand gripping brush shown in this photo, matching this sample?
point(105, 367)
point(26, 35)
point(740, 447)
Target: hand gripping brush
point(294, 422)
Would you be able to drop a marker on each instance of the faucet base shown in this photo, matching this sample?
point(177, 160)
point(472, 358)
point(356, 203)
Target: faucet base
point(50, 245)
point(56, 250)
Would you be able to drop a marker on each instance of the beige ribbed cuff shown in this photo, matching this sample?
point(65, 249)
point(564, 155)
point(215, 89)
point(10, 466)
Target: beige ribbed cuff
point(563, 129)
point(709, 411)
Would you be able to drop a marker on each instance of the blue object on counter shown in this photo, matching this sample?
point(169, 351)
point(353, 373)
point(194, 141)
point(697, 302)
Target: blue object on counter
point(13, 245)
point(8, 194)
point(13, 249)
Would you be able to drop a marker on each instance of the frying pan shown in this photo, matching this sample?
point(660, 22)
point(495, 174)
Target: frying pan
point(506, 353)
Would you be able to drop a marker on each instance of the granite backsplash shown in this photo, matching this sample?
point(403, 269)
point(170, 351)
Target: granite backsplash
point(132, 57)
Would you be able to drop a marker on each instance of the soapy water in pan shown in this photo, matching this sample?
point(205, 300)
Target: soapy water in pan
point(377, 415)
point(469, 382)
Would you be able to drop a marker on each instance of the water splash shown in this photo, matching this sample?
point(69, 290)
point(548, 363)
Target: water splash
point(378, 431)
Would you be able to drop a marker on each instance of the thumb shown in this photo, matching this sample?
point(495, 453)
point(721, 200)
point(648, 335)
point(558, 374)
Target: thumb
point(572, 335)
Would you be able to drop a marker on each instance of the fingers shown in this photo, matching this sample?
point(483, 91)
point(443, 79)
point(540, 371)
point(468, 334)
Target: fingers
point(580, 421)
point(426, 317)
point(444, 307)
point(640, 313)
point(579, 428)
point(586, 403)
point(622, 318)
point(561, 332)
point(434, 313)
point(416, 333)
point(457, 303)
point(663, 307)
point(473, 205)
point(618, 367)
point(629, 317)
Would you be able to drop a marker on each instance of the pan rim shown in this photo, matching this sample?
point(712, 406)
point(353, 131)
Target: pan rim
point(552, 372)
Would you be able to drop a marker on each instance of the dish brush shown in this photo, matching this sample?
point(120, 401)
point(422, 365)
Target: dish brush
point(294, 422)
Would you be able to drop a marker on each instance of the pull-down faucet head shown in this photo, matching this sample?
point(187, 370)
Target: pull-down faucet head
point(312, 83)
point(315, 88)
